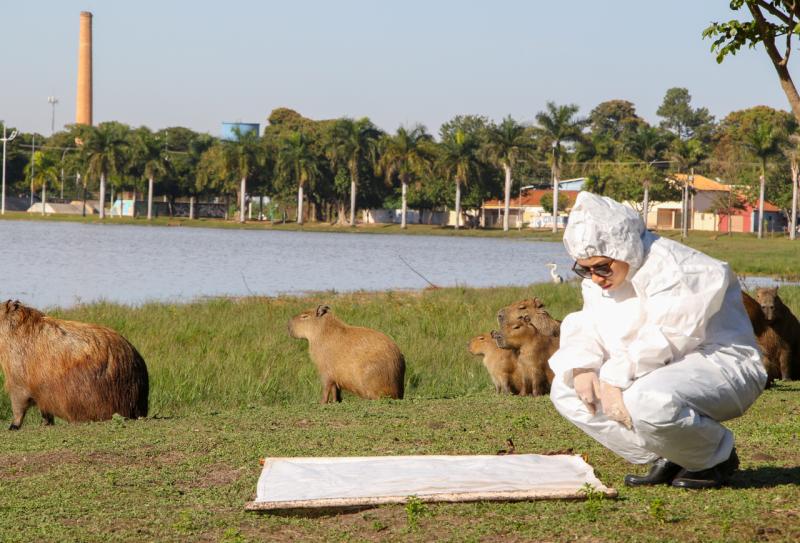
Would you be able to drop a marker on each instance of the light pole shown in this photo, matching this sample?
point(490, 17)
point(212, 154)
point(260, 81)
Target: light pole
point(52, 100)
point(6, 139)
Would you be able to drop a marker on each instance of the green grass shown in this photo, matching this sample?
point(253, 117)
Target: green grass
point(229, 386)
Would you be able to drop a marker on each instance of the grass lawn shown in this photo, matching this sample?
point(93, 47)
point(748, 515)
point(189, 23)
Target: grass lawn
point(228, 386)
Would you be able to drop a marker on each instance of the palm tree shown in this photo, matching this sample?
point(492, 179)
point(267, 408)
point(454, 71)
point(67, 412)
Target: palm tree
point(793, 152)
point(44, 170)
point(297, 162)
point(152, 159)
point(645, 144)
point(763, 141)
point(353, 142)
point(507, 144)
point(103, 150)
point(230, 163)
point(457, 160)
point(557, 125)
point(406, 154)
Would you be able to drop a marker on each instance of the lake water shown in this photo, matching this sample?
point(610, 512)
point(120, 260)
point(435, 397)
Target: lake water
point(47, 264)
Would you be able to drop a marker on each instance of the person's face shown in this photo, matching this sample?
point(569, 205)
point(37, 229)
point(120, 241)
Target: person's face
point(605, 272)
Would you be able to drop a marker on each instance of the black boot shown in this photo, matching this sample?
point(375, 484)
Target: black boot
point(661, 473)
point(713, 477)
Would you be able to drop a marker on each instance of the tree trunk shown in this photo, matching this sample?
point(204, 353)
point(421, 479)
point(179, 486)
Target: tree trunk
point(352, 202)
point(645, 202)
point(102, 196)
point(191, 207)
point(44, 196)
point(404, 205)
point(555, 197)
point(761, 205)
point(300, 204)
point(507, 204)
point(149, 198)
point(242, 199)
point(795, 176)
point(133, 209)
point(458, 204)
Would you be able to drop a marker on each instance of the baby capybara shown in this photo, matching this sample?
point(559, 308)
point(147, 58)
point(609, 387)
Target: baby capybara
point(504, 370)
point(534, 349)
point(533, 308)
point(71, 370)
point(361, 360)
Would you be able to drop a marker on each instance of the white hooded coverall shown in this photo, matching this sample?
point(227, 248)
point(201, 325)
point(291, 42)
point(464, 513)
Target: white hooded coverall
point(674, 336)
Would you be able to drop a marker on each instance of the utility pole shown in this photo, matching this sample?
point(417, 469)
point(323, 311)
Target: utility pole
point(52, 100)
point(6, 139)
point(33, 162)
point(555, 188)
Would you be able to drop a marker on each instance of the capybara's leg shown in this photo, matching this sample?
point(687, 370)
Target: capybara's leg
point(19, 406)
point(328, 388)
point(540, 385)
point(48, 419)
point(338, 392)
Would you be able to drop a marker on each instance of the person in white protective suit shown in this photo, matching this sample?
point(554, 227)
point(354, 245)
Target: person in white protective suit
point(661, 352)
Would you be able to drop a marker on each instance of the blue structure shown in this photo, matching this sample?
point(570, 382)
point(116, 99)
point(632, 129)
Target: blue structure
point(229, 130)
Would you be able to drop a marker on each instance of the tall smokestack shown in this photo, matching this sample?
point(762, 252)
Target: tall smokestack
point(83, 108)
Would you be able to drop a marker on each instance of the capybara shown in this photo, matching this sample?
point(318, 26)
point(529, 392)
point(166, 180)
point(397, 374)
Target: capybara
point(785, 324)
point(774, 350)
point(364, 361)
point(533, 308)
point(502, 365)
point(71, 370)
point(534, 349)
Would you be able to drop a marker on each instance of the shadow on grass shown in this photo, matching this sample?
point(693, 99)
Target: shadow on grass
point(766, 477)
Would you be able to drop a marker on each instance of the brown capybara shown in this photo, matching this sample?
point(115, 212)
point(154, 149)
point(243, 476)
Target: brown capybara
point(71, 370)
point(785, 324)
point(364, 361)
point(502, 365)
point(774, 350)
point(534, 349)
point(533, 308)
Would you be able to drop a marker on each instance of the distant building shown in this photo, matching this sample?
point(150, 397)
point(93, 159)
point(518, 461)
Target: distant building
point(572, 184)
point(706, 194)
point(229, 130)
point(526, 210)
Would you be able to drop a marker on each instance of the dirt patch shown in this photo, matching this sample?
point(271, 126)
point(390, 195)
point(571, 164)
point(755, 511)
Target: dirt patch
point(14, 466)
point(214, 475)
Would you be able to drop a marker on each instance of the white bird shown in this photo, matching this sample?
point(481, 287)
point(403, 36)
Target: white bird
point(556, 278)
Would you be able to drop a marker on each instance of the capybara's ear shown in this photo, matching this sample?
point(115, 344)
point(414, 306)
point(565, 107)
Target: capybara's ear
point(537, 302)
point(526, 319)
point(322, 309)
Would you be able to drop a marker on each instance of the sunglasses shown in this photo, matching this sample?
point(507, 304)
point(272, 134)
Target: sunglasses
point(601, 270)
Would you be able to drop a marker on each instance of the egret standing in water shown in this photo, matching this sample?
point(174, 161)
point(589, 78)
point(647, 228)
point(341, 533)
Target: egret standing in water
point(556, 278)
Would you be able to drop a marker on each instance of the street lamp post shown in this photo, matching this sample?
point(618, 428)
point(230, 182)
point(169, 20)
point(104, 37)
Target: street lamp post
point(52, 100)
point(6, 139)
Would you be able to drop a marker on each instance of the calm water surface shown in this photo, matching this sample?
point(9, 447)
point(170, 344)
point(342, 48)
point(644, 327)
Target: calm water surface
point(47, 264)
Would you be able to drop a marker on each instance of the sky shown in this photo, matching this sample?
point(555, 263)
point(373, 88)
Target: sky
point(197, 63)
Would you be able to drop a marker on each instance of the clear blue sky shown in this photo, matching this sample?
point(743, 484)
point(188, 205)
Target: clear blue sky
point(197, 63)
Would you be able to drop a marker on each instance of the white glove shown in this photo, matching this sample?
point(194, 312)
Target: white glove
point(613, 405)
point(587, 387)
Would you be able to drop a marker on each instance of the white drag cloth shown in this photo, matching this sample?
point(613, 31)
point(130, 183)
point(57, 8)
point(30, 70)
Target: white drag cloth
point(287, 483)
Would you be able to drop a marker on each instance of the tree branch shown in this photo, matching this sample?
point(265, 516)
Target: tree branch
point(766, 34)
point(776, 12)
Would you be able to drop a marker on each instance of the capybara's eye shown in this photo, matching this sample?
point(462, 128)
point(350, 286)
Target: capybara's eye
point(481, 338)
point(303, 316)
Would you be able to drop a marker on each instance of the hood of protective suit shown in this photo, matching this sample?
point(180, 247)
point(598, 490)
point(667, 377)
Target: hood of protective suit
point(599, 226)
